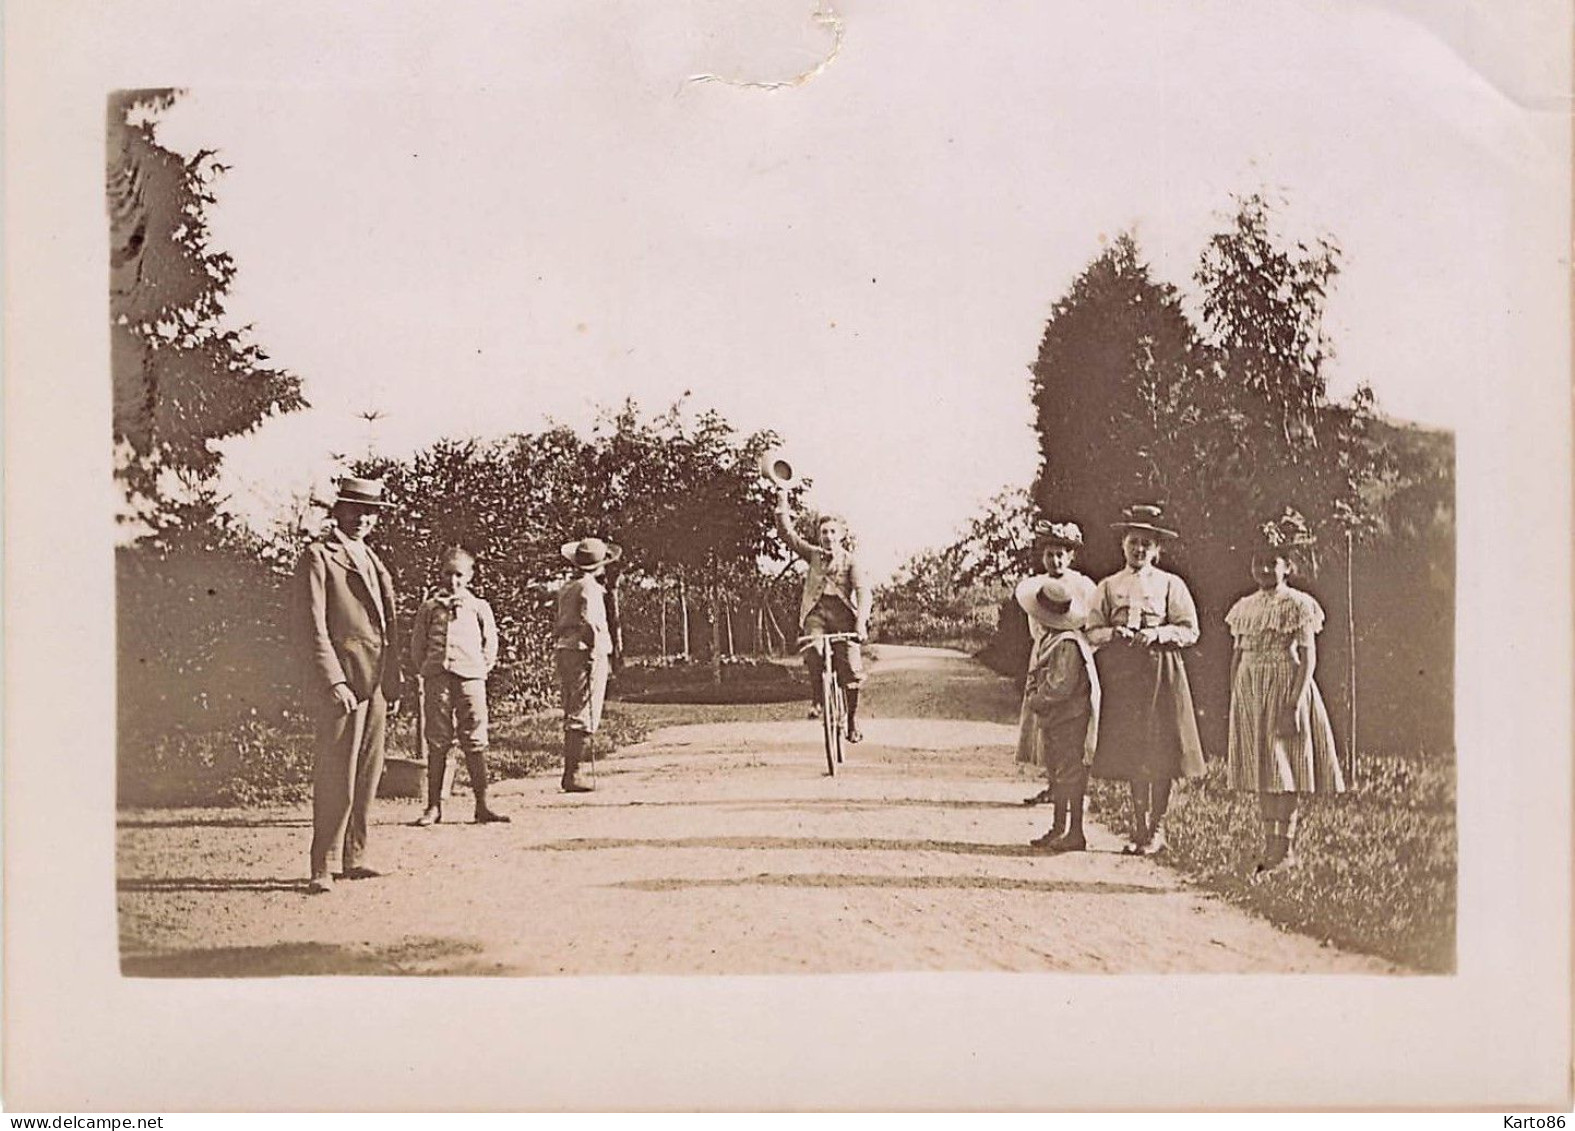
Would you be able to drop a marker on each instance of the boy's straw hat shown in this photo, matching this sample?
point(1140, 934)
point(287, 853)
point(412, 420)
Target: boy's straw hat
point(590, 553)
point(1058, 603)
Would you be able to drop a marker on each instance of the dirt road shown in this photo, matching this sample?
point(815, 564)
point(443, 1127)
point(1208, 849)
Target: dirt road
point(716, 847)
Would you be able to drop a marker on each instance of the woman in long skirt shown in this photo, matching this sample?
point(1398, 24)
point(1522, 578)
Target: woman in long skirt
point(1143, 618)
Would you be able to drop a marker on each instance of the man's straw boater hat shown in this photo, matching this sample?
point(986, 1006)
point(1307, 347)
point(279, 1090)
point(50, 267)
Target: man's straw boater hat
point(590, 553)
point(362, 492)
point(1145, 517)
point(1055, 602)
point(775, 466)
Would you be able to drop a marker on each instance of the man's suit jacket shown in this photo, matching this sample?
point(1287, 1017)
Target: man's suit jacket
point(348, 639)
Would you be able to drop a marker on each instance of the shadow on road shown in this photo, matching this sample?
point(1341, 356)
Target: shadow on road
point(214, 823)
point(744, 804)
point(211, 883)
point(412, 956)
point(959, 883)
point(803, 844)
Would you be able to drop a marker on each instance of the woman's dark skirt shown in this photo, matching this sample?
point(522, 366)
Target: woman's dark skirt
point(1147, 728)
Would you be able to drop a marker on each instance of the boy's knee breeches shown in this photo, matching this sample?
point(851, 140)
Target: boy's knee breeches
point(456, 710)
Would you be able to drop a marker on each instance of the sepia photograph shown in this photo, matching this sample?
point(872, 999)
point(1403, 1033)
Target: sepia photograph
point(702, 510)
point(637, 619)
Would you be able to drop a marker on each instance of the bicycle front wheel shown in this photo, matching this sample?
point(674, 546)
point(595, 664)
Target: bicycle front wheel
point(830, 725)
point(840, 697)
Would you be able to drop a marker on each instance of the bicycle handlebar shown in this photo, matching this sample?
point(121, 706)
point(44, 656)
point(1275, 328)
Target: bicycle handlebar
point(829, 637)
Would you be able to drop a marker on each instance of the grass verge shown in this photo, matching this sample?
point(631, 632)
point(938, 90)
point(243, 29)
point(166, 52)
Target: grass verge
point(1377, 871)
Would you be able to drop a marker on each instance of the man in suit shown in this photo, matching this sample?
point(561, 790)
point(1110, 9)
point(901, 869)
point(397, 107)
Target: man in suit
point(346, 602)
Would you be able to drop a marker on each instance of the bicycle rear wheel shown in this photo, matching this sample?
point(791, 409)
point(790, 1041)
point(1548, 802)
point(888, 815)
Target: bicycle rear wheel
point(828, 722)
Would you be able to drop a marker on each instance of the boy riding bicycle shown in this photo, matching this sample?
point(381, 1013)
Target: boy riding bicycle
point(836, 599)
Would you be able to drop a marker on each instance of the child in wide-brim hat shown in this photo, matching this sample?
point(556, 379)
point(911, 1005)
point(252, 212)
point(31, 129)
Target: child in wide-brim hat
point(1143, 617)
point(1281, 741)
point(1056, 546)
point(1062, 698)
point(584, 652)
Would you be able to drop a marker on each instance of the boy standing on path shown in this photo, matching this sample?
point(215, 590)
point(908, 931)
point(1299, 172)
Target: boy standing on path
point(454, 646)
point(345, 604)
point(584, 652)
point(1063, 696)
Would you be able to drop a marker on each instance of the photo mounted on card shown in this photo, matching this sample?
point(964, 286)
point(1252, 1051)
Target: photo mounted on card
point(715, 503)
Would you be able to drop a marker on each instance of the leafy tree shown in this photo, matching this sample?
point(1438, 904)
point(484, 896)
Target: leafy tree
point(1224, 422)
point(183, 377)
point(685, 499)
point(1096, 429)
point(998, 543)
point(678, 491)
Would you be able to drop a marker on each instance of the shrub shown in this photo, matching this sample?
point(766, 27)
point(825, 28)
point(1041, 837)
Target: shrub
point(257, 763)
point(745, 679)
point(249, 763)
point(203, 641)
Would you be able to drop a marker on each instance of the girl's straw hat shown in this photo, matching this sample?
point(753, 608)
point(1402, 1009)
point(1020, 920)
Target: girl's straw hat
point(1287, 532)
point(1058, 603)
point(1146, 517)
point(1067, 534)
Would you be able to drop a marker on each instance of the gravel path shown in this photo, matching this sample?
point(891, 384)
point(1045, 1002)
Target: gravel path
point(712, 848)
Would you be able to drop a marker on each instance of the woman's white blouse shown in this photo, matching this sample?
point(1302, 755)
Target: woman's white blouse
point(1147, 598)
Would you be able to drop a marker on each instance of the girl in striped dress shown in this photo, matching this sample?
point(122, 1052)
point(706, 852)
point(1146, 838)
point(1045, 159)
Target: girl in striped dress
point(1281, 743)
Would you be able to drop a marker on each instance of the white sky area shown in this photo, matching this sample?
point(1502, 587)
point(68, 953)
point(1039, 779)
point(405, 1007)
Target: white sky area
point(864, 262)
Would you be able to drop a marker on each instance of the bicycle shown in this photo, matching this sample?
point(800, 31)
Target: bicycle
point(833, 699)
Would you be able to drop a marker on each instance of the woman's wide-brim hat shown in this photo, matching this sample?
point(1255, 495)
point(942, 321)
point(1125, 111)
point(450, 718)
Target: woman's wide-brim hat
point(590, 553)
point(1287, 533)
point(362, 492)
point(1067, 534)
point(1055, 602)
point(776, 466)
point(1145, 517)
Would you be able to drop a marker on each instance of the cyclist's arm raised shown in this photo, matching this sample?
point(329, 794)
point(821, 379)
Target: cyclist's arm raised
point(801, 546)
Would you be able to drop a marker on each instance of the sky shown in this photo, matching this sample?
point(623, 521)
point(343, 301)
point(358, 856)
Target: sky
point(864, 261)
